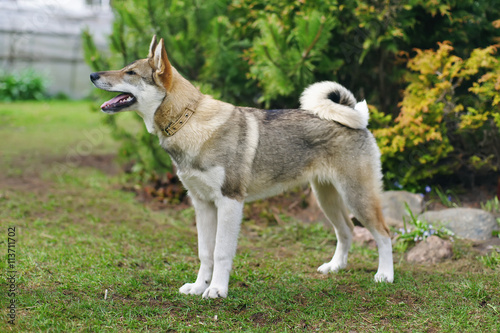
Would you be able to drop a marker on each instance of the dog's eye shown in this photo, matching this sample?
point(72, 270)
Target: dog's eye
point(130, 73)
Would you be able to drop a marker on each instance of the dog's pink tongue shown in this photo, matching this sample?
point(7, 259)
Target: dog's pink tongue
point(114, 100)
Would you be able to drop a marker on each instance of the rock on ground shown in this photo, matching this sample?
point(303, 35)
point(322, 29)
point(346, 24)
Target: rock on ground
point(469, 223)
point(363, 237)
point(431, 251)
point(393, 206)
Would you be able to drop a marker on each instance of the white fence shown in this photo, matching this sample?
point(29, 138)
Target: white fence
point(46, 36)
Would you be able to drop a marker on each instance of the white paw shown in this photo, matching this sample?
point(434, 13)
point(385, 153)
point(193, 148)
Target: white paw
point(331, 267)
point(193, 289)
point(215, 292)
point(384, 277)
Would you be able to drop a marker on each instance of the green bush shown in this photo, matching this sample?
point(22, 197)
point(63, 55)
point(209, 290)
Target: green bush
point(25, 85)
point(449, 120)
point(263, 53)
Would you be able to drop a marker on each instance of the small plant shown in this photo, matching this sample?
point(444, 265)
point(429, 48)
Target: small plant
point(492, 205)
point(419, 230)
point(496, 233)
point(25, 85)
point(491, 260)
point(447, 197)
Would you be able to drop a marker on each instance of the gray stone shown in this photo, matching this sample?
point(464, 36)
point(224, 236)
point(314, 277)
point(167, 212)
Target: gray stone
point(393, 206)
point(430, 251)
point(469, 223)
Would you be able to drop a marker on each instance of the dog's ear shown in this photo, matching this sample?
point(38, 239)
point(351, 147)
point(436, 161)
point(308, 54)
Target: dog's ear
point(152, 47)
point(162, 67)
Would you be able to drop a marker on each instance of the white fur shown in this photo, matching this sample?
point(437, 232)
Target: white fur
point(205, 185)
point(157, 60)
point(206, 223)
point(385, 272)
point(362, 107)
point(229, 215)
point(152, 98)
point(218, 225)
point(252, 140)
point(215, 218)
point(149, 99)
point(315, 99)
point(218, 221)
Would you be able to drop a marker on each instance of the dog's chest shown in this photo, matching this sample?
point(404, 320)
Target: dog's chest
point(205, 184)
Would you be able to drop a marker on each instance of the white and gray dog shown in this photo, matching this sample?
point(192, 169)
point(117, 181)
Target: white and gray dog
point(226, 155)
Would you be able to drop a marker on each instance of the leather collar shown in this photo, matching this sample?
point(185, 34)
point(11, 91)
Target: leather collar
point(176, 125)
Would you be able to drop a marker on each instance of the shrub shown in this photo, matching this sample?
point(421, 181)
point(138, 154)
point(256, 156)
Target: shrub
point(449, 120)
point(25, 85)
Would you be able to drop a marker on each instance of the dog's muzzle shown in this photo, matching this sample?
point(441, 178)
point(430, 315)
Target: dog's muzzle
point(94, 77)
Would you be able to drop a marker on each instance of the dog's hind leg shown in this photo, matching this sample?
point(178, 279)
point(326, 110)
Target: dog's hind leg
point(362, 197)
point(332, 205)
point(206, 224)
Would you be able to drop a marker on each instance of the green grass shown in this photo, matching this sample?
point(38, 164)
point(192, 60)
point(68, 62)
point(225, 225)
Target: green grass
point(79, 235)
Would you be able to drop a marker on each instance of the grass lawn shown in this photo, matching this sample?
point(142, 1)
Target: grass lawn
point(89, 257)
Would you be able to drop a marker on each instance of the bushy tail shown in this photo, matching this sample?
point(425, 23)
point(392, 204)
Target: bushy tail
point(331, 101)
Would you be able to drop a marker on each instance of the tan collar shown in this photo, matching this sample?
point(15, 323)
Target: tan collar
point(175, 126)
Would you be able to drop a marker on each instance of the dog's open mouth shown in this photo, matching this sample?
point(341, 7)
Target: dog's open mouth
point(118, 103)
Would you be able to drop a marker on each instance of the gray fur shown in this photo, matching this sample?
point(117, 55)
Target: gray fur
point(290, 143)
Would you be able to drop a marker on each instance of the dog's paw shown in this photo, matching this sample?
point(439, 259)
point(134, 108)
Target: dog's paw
point(215, 292)
point(331, 267)
point(384, 277)
point(193, 289)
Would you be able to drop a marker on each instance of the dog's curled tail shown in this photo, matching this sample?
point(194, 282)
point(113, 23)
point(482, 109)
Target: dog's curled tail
point(331, 101)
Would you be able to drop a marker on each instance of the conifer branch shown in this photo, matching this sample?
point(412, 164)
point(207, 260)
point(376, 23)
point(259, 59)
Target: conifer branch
point(305, 54)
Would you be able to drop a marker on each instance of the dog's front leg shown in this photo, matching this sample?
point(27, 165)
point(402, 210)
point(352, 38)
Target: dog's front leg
point(206, 224)
point(229, 214)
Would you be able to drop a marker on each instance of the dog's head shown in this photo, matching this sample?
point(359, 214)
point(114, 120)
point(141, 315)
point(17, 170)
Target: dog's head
point(142, 84)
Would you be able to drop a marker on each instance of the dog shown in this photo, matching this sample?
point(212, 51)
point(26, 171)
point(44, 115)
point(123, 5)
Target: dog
point(226, 155)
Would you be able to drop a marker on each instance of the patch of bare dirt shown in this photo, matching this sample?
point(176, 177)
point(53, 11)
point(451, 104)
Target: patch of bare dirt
point(103, 162)
point(28, 184)
point(28, 178)
point(260, 318)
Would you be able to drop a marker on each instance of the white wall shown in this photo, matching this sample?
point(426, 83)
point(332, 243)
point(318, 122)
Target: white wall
point(46, 35)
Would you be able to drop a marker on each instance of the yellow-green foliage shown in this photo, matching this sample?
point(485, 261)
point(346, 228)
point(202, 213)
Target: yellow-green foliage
point(449, 119)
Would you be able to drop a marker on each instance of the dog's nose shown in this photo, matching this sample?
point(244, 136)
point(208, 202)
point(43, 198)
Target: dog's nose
point(94, 77)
